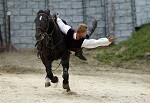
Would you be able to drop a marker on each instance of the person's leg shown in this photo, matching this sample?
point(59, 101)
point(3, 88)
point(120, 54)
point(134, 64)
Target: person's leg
point(79, 54)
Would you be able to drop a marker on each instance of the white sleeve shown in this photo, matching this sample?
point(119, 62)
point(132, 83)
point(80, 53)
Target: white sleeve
point(92, 43)
point(63, 27)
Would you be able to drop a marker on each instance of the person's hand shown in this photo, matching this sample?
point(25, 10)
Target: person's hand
point(111, 39)
point(57, 15)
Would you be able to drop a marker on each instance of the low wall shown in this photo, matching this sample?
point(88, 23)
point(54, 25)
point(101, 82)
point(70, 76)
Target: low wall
point(120, 22)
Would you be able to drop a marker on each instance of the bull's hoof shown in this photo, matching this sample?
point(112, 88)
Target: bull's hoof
point(66, 86)
point(55, 79)
point(47, 84)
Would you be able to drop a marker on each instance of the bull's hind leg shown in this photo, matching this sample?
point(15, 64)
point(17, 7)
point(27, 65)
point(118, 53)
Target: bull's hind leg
point(65, 64)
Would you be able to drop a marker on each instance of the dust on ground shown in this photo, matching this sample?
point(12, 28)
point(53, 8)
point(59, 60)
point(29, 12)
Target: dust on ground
point(22, 81)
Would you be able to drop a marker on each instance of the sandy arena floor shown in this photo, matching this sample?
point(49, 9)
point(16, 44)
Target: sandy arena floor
point(22, 81)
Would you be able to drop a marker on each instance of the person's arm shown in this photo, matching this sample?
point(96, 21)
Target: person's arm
point(63, 27)
point(93, 43)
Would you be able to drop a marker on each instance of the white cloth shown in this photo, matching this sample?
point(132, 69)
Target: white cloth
point(87, 43)
point(63, 27)
point(93, 43)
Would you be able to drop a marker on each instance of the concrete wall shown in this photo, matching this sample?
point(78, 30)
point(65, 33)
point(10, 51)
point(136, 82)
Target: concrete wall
point(123, 23)
point(1, 12)
point(142, 12)
point(1, 18)
point(128, 14)
point(23, 13)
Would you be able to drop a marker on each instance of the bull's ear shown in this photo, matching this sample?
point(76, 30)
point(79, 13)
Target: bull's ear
point(40, 11)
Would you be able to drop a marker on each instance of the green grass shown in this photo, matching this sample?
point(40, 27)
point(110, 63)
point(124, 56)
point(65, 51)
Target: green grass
point(128, 51)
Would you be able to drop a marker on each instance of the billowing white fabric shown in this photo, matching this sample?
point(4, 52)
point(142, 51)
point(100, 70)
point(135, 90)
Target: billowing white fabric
point(63, 27)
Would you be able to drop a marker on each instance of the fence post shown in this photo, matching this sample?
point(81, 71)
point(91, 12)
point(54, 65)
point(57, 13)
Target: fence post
point(9, 34)
point(9, 46)
point(1, 38)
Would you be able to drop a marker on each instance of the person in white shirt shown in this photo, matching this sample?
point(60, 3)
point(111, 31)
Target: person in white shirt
point(76, 39)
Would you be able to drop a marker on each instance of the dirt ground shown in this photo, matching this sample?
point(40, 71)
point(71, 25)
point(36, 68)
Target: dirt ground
point(22, 77)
